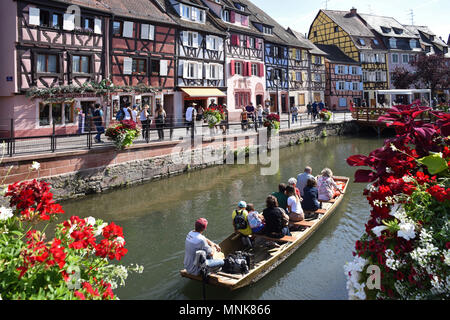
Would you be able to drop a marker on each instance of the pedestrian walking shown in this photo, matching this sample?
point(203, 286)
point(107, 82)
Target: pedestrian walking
point(97, 117)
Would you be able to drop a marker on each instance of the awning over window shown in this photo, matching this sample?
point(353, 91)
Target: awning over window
point(203, 92)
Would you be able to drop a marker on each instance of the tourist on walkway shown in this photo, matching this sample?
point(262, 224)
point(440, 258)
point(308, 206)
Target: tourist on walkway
point(224, 122)
point(293, 183)
point(310, 200)
point(196, 241)
point(134, 113)
point(127, 112)
point(294, 207)
point(302, 179)
point(309, 108)
point(251, 111)
point(144, 117)
point(314, 110)
point(241, 225)
point(276, 219)
point(244, 120)
point(260, 112)
point(97, 117)
point(255, 220)
point(294, 113)
point(321, 105)
point(281, 196)
point(190, 116)
point(160, 120)
point(327, 187)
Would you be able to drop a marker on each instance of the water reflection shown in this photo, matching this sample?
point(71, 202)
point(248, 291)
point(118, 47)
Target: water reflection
point(157, 216)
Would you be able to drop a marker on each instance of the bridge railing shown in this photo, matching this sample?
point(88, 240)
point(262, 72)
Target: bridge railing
point(372, 115)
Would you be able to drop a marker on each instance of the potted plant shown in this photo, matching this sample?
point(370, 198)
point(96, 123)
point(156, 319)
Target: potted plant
point(325, 115)
point(123, 134)
point(214, 115)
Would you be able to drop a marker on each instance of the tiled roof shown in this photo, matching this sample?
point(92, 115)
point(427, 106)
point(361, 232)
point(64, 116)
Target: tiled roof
point(386, 26)
point(306, 43)
point(335, 54)
point(210, 25)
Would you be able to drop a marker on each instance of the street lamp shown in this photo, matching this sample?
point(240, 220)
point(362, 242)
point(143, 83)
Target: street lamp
point(277, 84)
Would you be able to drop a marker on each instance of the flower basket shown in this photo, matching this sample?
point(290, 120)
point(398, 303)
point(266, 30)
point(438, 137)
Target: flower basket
point(123, 134)
point(407, 237)
point(214, 116)
point(325, 115)
point(272, 122)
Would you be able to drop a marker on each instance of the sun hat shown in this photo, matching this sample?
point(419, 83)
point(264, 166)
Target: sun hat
point(242, 204)
point(201, 223)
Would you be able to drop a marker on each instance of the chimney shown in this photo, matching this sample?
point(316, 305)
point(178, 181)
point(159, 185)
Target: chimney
point(353, 11)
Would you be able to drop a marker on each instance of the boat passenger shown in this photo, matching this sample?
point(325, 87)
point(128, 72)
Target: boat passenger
point(303, 178)
point(255, 220)
point(327, 187)
point(281, 196)
point(295, 210)
point(196, 241)
point(276, 219)
point(241, 225)
point(293, 183)
point(310, 196)
point(244, 120)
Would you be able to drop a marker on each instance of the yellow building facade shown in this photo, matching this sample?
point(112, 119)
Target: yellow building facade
point(347, 31)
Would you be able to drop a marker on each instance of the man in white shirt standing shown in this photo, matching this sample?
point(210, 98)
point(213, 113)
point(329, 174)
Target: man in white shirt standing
point(195, 241)
point(190, 117)
point(302, 179)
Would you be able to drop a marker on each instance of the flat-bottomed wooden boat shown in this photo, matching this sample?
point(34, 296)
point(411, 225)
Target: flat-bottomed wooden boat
point(268, 258)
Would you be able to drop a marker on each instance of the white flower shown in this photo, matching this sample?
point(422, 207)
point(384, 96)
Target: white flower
point(406, 231)
point(393, 148)
point(100, 229)
point(35, 166)
point(447, 257)
point(90, 221)
point(378, 230)
point(3, 192)
point(119, 240)
point(5, 213)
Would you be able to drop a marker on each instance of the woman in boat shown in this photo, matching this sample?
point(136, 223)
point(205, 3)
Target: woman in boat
point(294, 207)
point(293, 183)
point(327, 187)
point(310, 196)
point(276, 219)
point(281, 196)
point(255, 220)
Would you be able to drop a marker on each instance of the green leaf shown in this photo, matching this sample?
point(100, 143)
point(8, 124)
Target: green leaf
point(434, 163)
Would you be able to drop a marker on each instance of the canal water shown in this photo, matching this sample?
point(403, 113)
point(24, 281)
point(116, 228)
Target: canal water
point(157, 216)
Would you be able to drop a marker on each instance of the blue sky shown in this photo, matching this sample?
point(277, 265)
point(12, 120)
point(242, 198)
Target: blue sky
point(298, 14)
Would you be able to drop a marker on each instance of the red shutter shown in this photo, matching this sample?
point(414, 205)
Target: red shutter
point(235, 40)
point(248, 42)
point(249, 69)
point(232, 17)
point(261, 69)
point(232, 68)
point(245, 71)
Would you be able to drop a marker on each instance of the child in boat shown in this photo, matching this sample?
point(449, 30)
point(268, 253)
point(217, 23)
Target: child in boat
point(241, 225)
point(327, 187)
point(294, 207)
point(255, 220)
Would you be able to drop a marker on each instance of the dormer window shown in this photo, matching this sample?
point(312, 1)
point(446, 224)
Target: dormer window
point(397, 30)
point(267, 30)
point(413, 43)
point(192, 13)
point(432, 38)
point(375, 42)
point(226, 15)
point(385, 29)
point(362, 42)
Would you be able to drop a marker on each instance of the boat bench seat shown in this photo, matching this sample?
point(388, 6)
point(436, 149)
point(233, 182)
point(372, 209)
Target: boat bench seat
point(302, 223)
point(284, 239)
point(319, 211)
point(329, 201)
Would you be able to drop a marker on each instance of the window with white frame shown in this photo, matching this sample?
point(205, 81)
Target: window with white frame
point(192, 13)
point(393, 43)
point(254, 69)
point(395, 58)
point(355, 86)
point(226, 15)
point(340, 85)
point(365, 76)
point(238, 67)
point(56, 113)
point(405, 58)
point(298, 76)
point(340, 69)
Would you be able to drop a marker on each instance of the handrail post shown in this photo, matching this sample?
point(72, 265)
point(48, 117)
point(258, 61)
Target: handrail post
point(11, 140)
point(147, 130)
point(53, 138)
point(89, 138)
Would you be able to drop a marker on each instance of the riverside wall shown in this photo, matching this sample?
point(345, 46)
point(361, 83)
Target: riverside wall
point(79, 173)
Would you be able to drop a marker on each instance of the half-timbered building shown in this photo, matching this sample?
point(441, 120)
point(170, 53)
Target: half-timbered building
point(343, 79)
point(54, 48)
point(346, 30)
point(244, 60)
point(142, 54)
point(200, 55)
